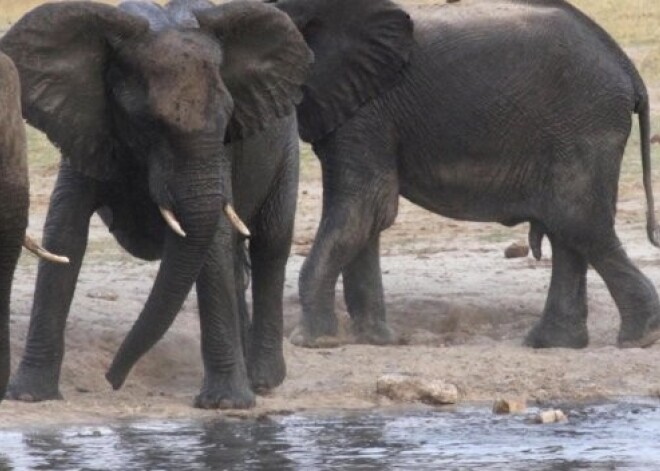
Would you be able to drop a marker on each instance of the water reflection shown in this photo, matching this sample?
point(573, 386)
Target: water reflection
point(601, 437)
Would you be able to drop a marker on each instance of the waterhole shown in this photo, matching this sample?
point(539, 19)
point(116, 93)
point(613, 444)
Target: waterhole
point(608, 436)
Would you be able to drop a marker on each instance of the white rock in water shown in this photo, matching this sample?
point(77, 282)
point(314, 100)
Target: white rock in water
point(408, 388)
point(552, 416)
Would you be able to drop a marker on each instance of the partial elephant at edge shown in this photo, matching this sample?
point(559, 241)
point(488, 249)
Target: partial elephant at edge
point(479, 110)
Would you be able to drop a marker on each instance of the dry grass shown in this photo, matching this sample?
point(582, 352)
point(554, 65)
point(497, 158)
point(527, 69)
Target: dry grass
point(629, 21)
point(634, 23)
point(11, 10)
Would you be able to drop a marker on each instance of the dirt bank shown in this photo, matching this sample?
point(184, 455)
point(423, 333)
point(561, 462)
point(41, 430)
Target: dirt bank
point(460, 309)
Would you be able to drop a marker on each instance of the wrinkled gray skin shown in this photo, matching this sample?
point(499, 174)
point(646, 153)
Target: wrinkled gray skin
point(181, 137)
point(507, 110)
point(14, 198)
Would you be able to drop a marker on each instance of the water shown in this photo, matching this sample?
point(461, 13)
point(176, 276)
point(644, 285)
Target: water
point(613, 436)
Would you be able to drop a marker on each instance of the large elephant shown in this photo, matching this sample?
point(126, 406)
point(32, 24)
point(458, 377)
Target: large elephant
point(503, 110)
point(14, 194)
point(165, 117)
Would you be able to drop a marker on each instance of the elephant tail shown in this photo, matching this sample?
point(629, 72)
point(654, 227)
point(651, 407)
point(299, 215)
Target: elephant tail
point(644, 112)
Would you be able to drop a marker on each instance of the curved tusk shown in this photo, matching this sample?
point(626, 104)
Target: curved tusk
point(171, 221)
point(30, 244)
point(236, 220)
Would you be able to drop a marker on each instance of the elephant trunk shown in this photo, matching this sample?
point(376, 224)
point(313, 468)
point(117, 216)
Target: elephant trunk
point(199, 211)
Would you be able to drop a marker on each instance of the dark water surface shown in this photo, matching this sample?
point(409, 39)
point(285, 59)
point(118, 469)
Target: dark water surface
point(613, 436)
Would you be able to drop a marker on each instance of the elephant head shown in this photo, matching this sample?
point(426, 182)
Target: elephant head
point(116, 91)
point(360, 49)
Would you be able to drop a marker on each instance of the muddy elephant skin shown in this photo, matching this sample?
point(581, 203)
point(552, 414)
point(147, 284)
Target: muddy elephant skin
point(14, 198)
point(507, 111)
point(177, 126)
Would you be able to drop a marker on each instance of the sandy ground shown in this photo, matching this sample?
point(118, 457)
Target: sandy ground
point(461, 311)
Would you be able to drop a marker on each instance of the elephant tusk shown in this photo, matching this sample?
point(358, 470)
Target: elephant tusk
point(171, 221)
point(30, 244)
point(236, 220)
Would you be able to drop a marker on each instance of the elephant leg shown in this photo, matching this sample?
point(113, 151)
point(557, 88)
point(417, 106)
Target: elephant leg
point(10, 250)
point(269, 252)
point(363, 292)
point(72, 204)
point(358, 203)
point(586, 225)
point(634, 295)
point(225, 383)
point(333, 248)
point(360, 199)
point(266, 356)
point(345, 230)
point(564, 320)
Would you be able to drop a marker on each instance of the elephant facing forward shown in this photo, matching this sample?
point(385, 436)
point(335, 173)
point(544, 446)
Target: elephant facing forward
point(502, 110)
point(164, 117)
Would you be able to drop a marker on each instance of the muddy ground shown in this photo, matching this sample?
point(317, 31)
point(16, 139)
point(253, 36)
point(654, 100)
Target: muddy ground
point(458, 306)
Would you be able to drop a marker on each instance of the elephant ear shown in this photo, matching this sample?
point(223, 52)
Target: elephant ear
point(265, 62)
point(61, 51)
point(360, 49)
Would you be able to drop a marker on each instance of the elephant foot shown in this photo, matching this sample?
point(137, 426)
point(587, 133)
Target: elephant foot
point(548, 335)
point(266, 370)
point(33, 385)
point(317, 331)
point(632, 336)
point(224, 392)
point(374, 333)
point(300, 337)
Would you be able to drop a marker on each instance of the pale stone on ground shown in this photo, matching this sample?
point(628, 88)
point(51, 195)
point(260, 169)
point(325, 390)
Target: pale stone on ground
point(516, 250)
point(408, 388)
point(509, 406)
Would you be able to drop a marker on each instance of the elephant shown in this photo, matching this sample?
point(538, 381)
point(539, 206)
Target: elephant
point(177, 126)
point(14, 191)
point(506, 111)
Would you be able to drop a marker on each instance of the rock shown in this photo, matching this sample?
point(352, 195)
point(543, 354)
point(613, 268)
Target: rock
point(517, 250)
point(509, 406)
point(551, 416)
point(106, 295)
point(409, 388)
